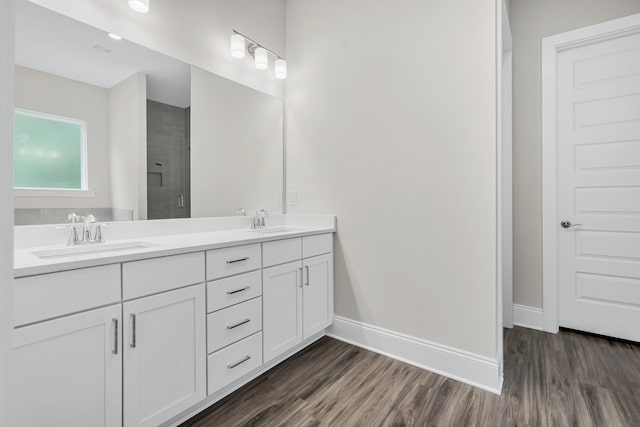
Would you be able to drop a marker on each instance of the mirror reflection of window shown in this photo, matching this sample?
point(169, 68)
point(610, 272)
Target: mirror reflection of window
point(49, 152)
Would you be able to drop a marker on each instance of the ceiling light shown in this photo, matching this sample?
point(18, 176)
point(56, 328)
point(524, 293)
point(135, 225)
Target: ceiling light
point(115, 36)
point(262, 58)
point(237, 46)
point(281, 69)
point(140, 6)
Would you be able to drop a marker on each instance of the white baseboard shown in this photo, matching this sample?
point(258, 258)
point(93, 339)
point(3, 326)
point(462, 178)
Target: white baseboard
point(473, 369)
point(528, 317)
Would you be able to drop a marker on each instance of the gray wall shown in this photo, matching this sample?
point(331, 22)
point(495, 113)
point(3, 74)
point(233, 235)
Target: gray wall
point(6, 204)
point(531, 20)
point(391, 125)
point(236, 147)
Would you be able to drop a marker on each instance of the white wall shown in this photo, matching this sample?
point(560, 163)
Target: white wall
point(196, 32)
point(128, 145)
point(391, 125)
point(236, 147)
point(6, 203)
point(46, 93)
point(530, 22)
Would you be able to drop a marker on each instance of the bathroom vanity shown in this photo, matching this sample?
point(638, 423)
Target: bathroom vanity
point(150, 331)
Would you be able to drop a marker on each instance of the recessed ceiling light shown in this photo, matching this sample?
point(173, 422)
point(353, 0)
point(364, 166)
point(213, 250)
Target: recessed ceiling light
point(140, 6)
point(115, 36)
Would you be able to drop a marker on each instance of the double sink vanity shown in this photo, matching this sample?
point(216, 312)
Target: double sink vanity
point(150, 330)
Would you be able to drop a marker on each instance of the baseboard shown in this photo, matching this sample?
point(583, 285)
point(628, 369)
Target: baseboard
point(224, 392)
point(528, 317)
point(473, 369)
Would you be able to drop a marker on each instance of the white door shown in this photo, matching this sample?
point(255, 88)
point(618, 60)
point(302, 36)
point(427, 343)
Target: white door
point(164, 355)
point(282, 308)
point(317, 296)
point(599, 187)
point(68, 371)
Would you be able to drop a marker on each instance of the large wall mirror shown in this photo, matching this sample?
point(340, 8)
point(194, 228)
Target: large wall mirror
point(107, 127)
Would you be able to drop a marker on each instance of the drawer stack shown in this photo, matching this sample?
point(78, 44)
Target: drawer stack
point(234, 314)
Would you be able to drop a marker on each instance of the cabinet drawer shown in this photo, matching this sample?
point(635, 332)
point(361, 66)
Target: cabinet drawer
point(235, 361)
point(317, 245)
point(233, 324)
point(281, 251)
point(151, 276)
point(233, 290)
point(46, 296)
point(235, 260)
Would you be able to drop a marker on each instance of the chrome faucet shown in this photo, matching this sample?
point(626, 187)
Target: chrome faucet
point(258, 221)
point(87, 236)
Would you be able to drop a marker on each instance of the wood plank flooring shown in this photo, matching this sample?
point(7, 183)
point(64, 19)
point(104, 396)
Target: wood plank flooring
point(568, 379)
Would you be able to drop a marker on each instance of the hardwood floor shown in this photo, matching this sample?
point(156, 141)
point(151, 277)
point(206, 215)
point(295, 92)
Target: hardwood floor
point(568, 379)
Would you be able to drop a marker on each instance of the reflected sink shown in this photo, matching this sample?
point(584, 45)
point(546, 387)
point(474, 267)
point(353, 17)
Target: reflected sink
point(90, 249)
point(273, 230)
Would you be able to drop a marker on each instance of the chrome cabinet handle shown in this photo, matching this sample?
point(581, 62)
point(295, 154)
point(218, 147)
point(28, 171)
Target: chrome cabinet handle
point(133, 330)
point(233, 365)
point(246, 288)
point(307, 268)
point(233, 261)
point(244, 322)
point(301, 277)
point(115, 335)
point(567, 224)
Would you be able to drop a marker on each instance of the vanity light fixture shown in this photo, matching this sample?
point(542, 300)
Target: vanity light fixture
point(237, 46)
point(240, 44)
point(140, 6)
point(281, 69)
point(261, 58)
point(115, 36)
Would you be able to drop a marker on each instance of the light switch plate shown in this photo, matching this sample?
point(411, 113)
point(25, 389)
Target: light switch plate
point(293, 198)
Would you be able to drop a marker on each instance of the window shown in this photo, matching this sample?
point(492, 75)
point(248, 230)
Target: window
point(49, 152)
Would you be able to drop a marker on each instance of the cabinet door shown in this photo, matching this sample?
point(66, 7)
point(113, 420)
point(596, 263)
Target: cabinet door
point(68, 371)
point(282, 308)
point(164, 355)
point(317, 294)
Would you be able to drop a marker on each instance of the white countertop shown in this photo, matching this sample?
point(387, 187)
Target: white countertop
point(28, 264)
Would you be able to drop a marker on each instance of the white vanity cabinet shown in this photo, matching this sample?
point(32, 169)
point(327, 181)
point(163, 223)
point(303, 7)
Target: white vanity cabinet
point(317, 308)
point(282, 308)
point(297, 295)
point(142, 342)
point(164, 355)
point(68, 371)
point(164, 337)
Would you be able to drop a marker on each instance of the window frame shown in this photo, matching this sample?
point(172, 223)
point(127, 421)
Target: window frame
point(83, 191)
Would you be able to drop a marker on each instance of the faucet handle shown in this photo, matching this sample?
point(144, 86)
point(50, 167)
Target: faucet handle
point(98, 236)
point(73, 217)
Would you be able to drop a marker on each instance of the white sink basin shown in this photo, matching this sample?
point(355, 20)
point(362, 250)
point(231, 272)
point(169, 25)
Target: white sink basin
point(273, 230)
point(96, 248)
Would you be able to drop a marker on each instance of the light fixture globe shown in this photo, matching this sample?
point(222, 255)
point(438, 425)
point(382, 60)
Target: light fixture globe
point(237, 46)
point(280, 69)
point(261, 58)
point(140, 6)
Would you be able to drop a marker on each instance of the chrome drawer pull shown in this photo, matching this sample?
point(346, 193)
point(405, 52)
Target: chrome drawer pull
point(307, 268)
point(239, 363)
point(244, 322)
point(246, 288)
point(233, 261)
point(115, 335)
point(133, 331)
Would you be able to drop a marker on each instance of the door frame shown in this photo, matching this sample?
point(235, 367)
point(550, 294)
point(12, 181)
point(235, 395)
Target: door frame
point(552, 46)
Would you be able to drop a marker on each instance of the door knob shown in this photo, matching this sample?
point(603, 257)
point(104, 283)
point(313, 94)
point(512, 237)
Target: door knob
point(567, 224)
